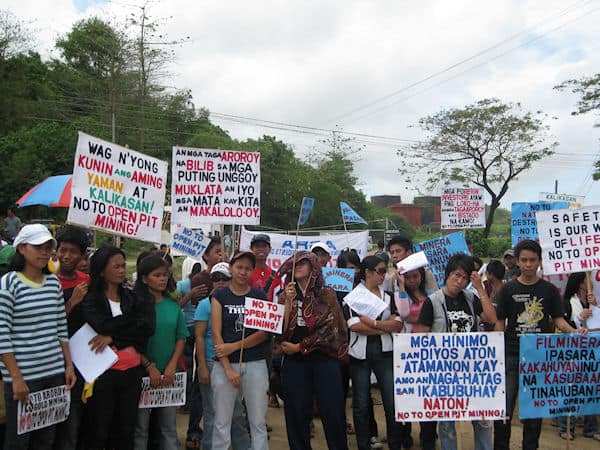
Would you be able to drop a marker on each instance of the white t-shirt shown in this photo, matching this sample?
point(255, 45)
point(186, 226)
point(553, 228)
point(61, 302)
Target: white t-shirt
point(115, 308)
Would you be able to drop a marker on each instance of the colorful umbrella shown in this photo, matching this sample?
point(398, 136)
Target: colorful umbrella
point(53, 191)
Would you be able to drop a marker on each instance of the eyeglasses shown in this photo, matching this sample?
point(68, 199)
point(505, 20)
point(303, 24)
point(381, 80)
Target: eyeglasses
point(217, 278)
point(381, 270)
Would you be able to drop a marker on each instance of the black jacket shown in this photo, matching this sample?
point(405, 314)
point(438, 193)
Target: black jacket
point(133, 327)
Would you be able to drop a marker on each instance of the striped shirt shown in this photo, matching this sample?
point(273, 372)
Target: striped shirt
point(32, 325)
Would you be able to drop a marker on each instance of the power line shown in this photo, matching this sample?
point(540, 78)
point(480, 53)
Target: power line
point(383, 108)
point(452, 66)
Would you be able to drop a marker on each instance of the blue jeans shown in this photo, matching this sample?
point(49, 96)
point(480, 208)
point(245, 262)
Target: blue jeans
point(254, 386)
point(167, 428)
point(240, 440)
point(531, 427)
point(482, 431)
point(41, 439)
point(382, 365)
point(590, 425)
point(304, 378)
point(193, 396)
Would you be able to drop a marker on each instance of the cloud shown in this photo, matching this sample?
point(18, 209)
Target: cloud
point(314, 61)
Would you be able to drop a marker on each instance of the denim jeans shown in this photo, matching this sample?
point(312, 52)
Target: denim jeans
point(167, 428)
point(482, 431)
point(590, 425)
point(193, 396)
point(360, 372)
point(41, 439)
point(531, 427)
point(254, 386)
point(240, 439)
point(304, 378)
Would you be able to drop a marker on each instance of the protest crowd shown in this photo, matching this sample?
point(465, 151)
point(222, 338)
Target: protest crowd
point(94, 359)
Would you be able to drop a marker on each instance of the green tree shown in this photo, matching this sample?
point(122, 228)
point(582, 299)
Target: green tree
point(588, 89)
point(487, 144)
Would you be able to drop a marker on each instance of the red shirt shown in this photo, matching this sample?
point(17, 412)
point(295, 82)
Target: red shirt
point(75, 318)
point(260, 278)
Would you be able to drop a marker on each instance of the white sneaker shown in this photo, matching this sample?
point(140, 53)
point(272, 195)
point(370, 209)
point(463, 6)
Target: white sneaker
point(375, 442)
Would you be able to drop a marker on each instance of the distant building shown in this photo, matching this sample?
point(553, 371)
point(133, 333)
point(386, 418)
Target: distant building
point(424, 211)
point(383, 201)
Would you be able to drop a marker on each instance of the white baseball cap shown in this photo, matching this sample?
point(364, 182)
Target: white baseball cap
point(222, 268)
point(322, 246)
point(35, 234)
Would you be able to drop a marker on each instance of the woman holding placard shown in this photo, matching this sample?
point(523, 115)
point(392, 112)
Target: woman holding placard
point(412, 289)
point(124, 322)
point(313, 341)
point(241, 367)
point(371, 350)
point(165, 347)
point(34, 345)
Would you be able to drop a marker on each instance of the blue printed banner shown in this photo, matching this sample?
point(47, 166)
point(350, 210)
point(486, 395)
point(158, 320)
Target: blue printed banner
point(559, 375)
point(439, 250)
point(524, 224)
point(305, 210)
point(449, 376)
point(349, 215)
point(341, 280)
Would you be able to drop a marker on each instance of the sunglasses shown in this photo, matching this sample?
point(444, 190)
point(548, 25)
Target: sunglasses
point(217, 278)
point(381, 270)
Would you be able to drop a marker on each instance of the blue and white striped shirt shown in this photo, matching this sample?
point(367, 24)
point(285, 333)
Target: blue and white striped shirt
point(32, 325)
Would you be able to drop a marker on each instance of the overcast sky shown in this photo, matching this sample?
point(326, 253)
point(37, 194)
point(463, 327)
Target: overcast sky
point(327, 63)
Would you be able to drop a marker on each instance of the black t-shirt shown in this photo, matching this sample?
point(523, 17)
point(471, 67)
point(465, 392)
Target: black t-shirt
point(529, 309)
point(232, 322)
point(458, 313)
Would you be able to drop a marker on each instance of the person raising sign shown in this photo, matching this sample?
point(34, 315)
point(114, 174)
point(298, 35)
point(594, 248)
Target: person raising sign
point(457, 310)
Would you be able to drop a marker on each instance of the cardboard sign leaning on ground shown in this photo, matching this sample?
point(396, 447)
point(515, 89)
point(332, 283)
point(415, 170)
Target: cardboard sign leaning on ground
point(559, 375)
point(44, 408)
point(263, 315)
point(117, 190)
point(462, 208)
point(446, 376)
point(215, 186)
point(570, 239)
point(163, 396)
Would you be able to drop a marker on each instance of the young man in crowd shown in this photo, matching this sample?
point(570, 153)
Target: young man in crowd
point(263, 275)
point(399, 248)
point(526, 304)
point(72, 247)
point(512, 269)
point(381, 253)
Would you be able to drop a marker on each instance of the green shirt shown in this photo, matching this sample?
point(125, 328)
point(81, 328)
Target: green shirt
point(170, 327)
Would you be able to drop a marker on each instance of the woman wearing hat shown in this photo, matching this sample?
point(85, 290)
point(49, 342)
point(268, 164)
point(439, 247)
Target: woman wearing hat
point(313, 341)
point(34, 346)
point(241, 367)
